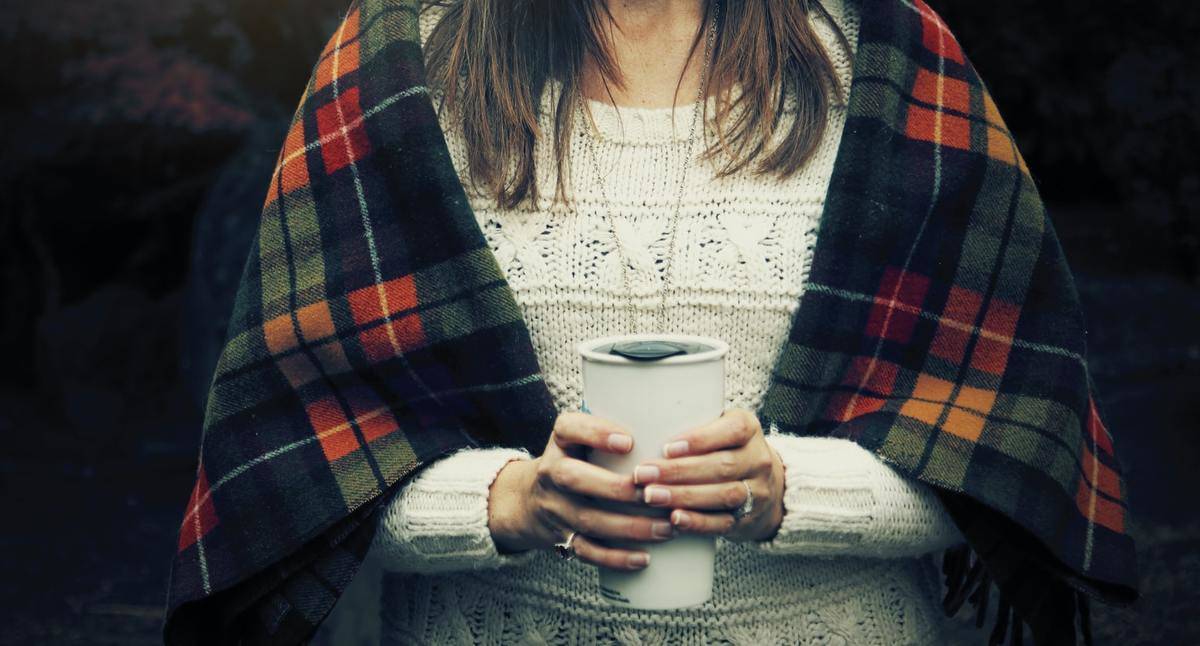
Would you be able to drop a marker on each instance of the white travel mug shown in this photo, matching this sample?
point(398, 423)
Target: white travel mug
point(656, 386)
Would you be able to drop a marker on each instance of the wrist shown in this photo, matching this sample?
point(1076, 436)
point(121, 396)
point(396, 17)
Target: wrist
point(778, 488)
point(506, 507)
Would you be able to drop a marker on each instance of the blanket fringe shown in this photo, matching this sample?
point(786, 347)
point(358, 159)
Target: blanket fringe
point(967, 581)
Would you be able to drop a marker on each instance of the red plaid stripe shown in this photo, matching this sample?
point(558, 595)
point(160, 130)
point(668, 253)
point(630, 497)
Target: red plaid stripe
point(340, 123)
point(956, 324)
point(336, 432)
point(377, 302)
point(936, 36)
point(995, 339)
point(201, 515)
point(1097, 429)
point(381, 303)
point(1097, 508)
point(865, 376)
point(897, 305)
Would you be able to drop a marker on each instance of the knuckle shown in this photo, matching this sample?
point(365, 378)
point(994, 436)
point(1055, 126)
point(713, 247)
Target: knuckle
point(565, 423)
point(727, 465)
point(749, 424)
point(544, 472)
point(633, 528)
point(732, 495)
point(744, 432)
point(622, 490)
point(764, 462)
point(564, 476)
point(639, 529)
point(544, 516)
point(711, 524)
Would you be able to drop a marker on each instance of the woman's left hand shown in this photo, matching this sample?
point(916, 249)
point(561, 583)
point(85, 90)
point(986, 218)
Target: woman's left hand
point(701, 477)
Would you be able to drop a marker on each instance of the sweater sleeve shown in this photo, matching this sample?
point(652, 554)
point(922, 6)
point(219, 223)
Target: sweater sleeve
point(438, 522)
point(841, 499)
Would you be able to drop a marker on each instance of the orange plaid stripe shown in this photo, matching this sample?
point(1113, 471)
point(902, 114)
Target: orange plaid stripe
point(941, 90)
point(938, 127)
point(341, 54)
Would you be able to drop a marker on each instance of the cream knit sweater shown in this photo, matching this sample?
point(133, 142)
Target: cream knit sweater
point(845, 566)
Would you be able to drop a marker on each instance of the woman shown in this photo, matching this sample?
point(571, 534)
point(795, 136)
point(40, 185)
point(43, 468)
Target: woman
point(841, 203)
point(834, 531)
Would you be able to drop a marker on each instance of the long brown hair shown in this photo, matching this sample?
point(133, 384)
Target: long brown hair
point(491, 60)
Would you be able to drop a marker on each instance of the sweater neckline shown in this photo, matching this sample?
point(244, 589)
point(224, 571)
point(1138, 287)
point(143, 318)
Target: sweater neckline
point(634, 125)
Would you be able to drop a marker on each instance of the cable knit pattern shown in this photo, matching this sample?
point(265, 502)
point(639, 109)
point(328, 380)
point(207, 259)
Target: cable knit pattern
point(743, 250)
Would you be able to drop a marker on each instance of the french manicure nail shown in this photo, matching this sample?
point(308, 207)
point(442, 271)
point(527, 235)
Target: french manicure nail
point(657, 495)
point(661, 529)
point(620, 443)
point(680, 519)
point(675, 448)
point(639, 560)
point(645, 473)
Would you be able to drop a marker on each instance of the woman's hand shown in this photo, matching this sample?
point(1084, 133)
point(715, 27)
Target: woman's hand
point(534, 504)
point(701, 478)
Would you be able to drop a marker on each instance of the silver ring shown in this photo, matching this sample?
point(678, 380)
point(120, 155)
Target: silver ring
point(747, 506)
point(565, 550)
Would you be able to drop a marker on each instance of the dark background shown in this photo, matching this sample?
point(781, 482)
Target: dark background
point(138, 138)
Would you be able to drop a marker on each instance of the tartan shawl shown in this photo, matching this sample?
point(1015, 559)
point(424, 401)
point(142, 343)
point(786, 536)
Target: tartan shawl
point(373, 332)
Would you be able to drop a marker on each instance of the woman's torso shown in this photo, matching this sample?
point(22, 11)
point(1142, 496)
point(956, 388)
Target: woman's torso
point(742, 252)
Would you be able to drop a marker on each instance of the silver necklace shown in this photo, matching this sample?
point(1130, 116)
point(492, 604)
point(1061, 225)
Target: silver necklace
point(687, 163)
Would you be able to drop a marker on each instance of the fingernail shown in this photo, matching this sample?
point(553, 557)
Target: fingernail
point(679, 518)
point(645, 473)
point(639, 560)
point(657, 495)
point(661, 529)
point(675, 448)
point(620, 443)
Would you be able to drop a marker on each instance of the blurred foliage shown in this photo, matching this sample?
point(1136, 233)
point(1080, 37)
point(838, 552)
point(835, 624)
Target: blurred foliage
point(118, 116)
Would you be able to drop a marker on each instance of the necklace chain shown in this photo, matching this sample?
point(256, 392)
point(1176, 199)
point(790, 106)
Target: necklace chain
point(631, 310)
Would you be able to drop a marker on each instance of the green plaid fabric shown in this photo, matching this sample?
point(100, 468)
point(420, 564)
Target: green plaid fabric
point(373, 332)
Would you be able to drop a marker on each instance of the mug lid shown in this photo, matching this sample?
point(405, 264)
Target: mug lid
point(654, 350)
point(648, 347)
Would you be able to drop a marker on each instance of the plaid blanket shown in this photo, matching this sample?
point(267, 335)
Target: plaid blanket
point(374, 332)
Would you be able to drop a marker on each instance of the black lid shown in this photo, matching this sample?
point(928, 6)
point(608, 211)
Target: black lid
point(655, 350)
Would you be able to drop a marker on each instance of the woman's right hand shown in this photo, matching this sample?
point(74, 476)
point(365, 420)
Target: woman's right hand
point(534, 504)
